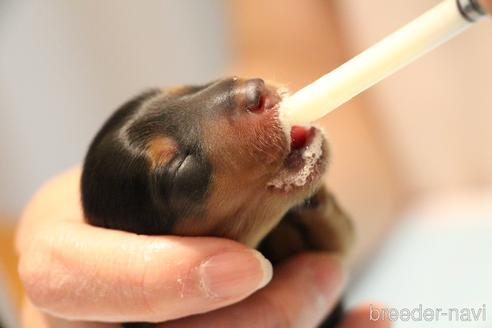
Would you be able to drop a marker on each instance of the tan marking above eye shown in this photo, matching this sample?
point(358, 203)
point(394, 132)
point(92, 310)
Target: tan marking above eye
point(160, 150)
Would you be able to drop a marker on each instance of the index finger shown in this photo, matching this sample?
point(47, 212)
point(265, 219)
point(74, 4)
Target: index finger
point(80, 272)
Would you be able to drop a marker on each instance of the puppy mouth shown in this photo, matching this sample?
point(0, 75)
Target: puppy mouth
point(300, 151)
point(305, 161)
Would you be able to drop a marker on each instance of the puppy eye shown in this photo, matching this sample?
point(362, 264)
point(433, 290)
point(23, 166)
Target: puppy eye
point(185, 177)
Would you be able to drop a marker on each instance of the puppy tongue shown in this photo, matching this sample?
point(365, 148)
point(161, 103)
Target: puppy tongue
point(299, 136)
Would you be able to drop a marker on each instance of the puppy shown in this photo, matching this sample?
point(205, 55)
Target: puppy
point(214, 160)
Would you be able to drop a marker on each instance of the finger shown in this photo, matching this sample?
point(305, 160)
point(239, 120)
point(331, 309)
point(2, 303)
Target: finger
point(302, 293)
point(79, 272)
point(360, 317)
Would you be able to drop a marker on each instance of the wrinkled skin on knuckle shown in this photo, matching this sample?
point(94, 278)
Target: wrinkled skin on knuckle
point(151, 287)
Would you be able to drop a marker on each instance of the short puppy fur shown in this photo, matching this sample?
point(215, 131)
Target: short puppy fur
point(214, 160)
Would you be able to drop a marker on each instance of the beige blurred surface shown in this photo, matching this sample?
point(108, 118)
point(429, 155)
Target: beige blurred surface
point(432, 118)
point(436, 114)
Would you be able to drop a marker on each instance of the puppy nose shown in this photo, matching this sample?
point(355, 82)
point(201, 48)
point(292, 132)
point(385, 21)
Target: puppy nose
point(250, 95)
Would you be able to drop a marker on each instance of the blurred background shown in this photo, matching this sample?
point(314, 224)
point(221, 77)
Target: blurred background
point(412, 157)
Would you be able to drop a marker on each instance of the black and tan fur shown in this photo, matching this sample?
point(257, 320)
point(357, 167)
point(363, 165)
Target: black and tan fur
point(198, 161)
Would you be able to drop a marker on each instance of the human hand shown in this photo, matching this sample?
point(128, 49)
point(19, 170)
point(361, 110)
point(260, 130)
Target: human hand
point(76, 274)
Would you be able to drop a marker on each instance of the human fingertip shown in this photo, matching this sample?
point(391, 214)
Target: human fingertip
point(234, 274)
point(266, 267)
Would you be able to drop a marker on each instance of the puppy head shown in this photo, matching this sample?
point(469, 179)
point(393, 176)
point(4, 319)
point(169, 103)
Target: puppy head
point(201, 160)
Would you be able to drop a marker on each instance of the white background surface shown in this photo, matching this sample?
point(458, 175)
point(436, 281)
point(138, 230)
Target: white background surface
point(439, 256)
point(66, 65)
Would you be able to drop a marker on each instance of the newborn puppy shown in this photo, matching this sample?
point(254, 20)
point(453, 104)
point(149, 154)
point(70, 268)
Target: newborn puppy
point(214, 160)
